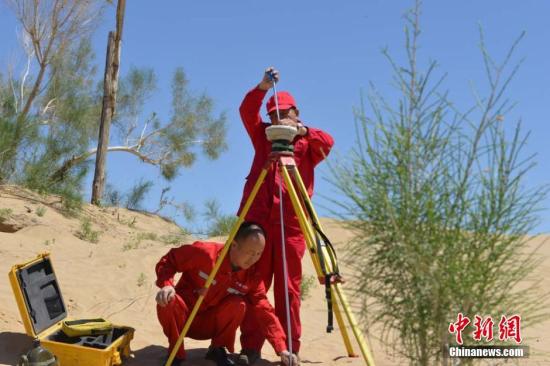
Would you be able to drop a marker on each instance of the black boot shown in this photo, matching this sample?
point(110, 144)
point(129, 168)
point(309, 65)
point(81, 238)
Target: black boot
point(219, 356)
point(248, 357)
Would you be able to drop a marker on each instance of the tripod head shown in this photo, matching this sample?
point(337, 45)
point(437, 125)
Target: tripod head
point(281, 137)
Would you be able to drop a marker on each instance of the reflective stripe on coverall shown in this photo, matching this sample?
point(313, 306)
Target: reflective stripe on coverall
point(223, 308)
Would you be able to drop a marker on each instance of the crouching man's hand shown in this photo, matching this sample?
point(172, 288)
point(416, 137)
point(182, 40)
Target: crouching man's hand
point(165, 295)
point(286, 358)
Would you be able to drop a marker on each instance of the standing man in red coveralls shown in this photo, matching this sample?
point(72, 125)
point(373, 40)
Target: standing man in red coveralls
point(236, 288)
point(311, 146)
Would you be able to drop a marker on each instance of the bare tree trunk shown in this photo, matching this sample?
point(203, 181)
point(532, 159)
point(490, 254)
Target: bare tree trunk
point(107, 112)
point(110, 87)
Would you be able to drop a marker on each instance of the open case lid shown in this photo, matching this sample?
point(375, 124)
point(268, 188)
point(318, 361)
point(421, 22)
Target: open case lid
point(38, 295)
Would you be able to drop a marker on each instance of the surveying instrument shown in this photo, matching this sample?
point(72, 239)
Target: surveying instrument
point(317, 243)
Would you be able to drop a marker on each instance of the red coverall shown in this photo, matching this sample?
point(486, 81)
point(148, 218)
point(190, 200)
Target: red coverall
point(229, 296)
point(309, 150)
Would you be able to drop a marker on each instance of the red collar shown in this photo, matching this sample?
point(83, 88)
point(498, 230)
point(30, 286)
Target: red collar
point(226, 266)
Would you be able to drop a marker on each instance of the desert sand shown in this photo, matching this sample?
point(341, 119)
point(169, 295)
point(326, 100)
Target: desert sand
point(114, 278)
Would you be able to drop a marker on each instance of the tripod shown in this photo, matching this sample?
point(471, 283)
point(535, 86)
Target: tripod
point(323, 256)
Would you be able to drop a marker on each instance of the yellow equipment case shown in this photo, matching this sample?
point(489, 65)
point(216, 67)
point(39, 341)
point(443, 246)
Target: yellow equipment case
point(43, 310)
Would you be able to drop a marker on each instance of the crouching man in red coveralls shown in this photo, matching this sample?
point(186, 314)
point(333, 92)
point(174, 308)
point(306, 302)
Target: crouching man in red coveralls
point(236, 288)
point(311, 146)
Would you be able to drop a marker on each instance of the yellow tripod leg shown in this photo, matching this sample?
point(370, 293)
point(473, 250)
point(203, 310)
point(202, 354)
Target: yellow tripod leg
point(342, 325)
point(218, 264)
point(358, 335)
point(302, 189)
point(347, 310)
point(304, 224)
point(309, 236)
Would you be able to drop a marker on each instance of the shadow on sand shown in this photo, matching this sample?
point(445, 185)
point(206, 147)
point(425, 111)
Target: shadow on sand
point(13, 345)
point(156, 355)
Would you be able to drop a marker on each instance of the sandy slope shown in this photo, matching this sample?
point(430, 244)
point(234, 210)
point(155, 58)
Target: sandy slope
point(114, 279)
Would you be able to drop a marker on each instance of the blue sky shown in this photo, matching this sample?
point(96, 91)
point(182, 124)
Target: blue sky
point(326, 53)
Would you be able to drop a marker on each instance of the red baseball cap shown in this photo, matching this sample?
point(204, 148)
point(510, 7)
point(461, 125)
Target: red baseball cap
point(286, 101)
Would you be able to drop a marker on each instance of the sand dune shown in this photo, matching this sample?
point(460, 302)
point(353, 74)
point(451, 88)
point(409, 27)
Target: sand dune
point(114, 279)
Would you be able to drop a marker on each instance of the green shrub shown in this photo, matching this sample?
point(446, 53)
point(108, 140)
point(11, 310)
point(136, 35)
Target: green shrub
point(440, 210)
point(86, 232)
point(219, 224)
point(141, 279)
point(40, 211)
point(5, 213)
point(173, 239)
point(305, 287)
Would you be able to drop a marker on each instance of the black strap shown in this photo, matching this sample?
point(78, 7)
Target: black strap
point(328, 276)
point(330, 248)
point(332, 252)
point(328, 295)
point(332, 257)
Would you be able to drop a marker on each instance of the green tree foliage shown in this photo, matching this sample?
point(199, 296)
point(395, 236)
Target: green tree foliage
point(133, 199)
point(70, 116)
point(112, 196)
point(137, 194)
point(438, 203)
point(218, 224)
point(169, 145)
point(50, 106)
point(8, 113)
point(52, 90)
